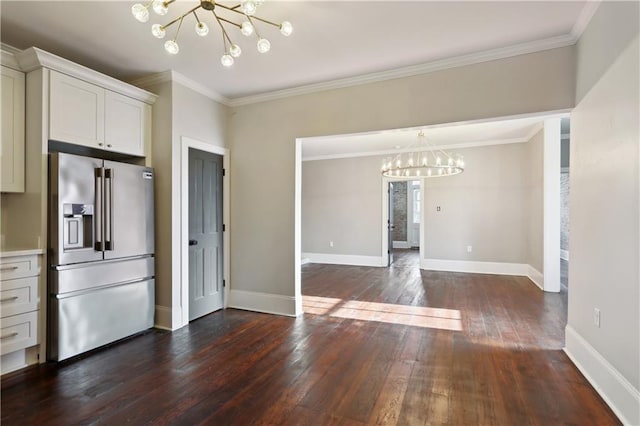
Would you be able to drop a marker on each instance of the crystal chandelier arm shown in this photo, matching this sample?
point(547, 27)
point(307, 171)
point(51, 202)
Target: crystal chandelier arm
point(229, 22)
point(181, 17)
point(224, 31)
point(178, 30)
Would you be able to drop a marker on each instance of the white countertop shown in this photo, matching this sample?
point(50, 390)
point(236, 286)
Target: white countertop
point(20, 252)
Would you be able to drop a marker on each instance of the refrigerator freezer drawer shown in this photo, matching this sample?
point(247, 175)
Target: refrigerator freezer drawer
point(92, 319)
point(67, 279)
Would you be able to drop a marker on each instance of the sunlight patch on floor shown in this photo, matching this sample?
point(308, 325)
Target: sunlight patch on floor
point(417, 316)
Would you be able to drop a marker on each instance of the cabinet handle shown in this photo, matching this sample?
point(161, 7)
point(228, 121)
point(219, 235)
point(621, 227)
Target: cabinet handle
point(100, 144)
point(6, 336)
point(8, 268)
point(8, 299)
point(109, 145)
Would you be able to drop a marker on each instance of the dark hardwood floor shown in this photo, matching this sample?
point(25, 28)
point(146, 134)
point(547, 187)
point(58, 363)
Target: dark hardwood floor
point(377, 346)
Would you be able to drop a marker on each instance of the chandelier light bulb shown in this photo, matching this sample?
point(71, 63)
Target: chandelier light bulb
point(235, 50)
point(202, 29)
point(140, 12)
point(249, 7)
point(171, 47)
point(450, 162)
point(158, 31)
point(226, 60)
point(428, 172)
point(438, 161)
point(424, 160)
point(160, 7)
point(286, 28)
point(263, 45)
point(246, 28)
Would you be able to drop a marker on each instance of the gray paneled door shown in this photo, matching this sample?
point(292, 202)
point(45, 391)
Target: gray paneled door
point(205, 233)
point(390, 225)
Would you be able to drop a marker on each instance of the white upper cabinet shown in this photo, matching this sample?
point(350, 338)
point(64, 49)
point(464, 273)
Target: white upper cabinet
point(85, 114)
point(127, 124)
point(76, 111)
point(12, 142)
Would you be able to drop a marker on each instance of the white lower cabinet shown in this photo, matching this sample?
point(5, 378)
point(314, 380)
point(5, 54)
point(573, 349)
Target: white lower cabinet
point(19, 308)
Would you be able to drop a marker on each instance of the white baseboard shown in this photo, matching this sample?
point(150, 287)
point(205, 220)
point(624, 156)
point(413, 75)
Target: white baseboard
point(167, 318)
point(564, 255)
point(262, 302)
point(305, 260)
point(345, 259)
point(498, 268)
point(536, 276)
point(13, 361)
point(401, 244)
point(621, 396)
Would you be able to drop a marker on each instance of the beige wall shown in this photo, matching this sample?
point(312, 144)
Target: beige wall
point(485, 207)
point(263, 138)
point(535, 195)
point(604, 199)
point(342, 202)
point(179, 111)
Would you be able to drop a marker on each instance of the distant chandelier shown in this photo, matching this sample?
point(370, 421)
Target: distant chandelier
point(424, 161)
point(246, 9)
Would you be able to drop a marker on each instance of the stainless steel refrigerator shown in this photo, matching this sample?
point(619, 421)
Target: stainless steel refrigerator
point(101, 252)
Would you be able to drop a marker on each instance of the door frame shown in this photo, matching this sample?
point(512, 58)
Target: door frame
point(187, 143)
point(385, 216)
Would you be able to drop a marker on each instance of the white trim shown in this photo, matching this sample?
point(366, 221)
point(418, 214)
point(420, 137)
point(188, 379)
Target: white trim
point(263, 302)
point(536, 276)
point(345, 259)
point(475, 267)
point(176, 77)
point(564, 254)
point(588, 10)
point(621, 396)
point(33, 58)
point(551, 205)
point(164, 318)
point(439, 65)
point(394, 151)
point(186, 143)
point(401, 244)
point(8, 56)
point(305, 260)
point(297, 229)
point(534, 130)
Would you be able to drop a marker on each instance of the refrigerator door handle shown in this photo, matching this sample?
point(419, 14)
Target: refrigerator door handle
point(99, 218)
point(108, 177)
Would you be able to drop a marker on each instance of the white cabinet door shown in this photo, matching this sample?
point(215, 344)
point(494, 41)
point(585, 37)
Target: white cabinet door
point(127, 124)
point(76, 111)
point(12, 142)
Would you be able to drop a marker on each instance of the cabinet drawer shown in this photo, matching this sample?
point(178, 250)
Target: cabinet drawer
point(19, 267)
point(18, 296)
point(18, 332)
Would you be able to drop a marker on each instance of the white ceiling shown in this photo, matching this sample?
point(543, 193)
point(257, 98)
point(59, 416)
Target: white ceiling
point(331, 39)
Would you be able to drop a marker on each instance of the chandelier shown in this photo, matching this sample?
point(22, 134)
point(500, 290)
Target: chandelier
point(423, 161)
point(245, 22)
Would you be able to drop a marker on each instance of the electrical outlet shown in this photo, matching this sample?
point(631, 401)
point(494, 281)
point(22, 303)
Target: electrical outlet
point(469, 249)
point(330, 243)
point(596, 317)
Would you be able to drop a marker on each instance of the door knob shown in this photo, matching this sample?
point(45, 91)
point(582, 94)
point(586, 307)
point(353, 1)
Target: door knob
point(193, 242)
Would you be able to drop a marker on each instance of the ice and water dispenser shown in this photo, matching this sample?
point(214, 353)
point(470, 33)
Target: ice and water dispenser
point(78, 226)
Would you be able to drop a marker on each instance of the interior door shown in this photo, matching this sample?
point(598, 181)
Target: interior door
point(390, 225)
point(205, 233)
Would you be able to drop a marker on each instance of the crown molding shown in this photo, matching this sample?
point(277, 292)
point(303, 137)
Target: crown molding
point(439, 65)
point(176, 77)
point(534, 130)
point(8, 56)
point(448, 147)
point(587, 12)
point(33, 58)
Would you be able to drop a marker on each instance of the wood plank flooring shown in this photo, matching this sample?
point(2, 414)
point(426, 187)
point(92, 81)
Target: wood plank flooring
point(428, 348)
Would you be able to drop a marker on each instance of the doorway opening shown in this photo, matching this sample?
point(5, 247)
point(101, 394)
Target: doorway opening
point(564, 203)
point(404, 223)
